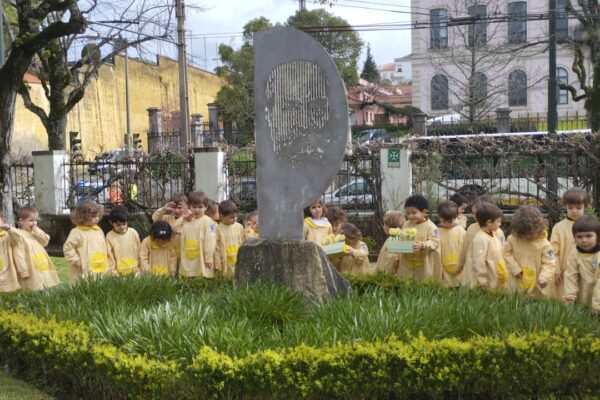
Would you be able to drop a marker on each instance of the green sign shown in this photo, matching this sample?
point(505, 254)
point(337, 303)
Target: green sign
point(394, 158)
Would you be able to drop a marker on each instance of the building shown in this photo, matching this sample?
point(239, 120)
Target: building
point(399, 72)
point(100, 116)
point(474, 69)
point(372, 104)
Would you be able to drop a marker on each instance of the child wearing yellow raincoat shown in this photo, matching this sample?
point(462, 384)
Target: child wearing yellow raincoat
point(528, 254)
point(85, 249)
point(157, 252)
point(452, 235)
point(32, 254)
point(230, 236)
point(123, 243)
point(390, 262)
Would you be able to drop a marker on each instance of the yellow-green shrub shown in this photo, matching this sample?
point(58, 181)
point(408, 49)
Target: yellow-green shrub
point(527, 366)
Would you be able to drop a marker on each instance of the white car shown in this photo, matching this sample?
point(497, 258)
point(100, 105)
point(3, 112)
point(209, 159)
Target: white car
point(354, 192)
point(446, 119)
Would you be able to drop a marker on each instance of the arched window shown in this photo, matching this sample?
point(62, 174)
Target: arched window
point(439, 93)
point(562, 76)
point(517, 88)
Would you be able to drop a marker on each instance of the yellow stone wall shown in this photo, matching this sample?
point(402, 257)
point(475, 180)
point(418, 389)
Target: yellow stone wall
point(100, 117)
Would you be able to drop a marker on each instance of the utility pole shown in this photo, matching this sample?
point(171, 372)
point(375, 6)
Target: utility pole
point(302, 5)
point(552, 84)
point(184, 128)
point(128, 136)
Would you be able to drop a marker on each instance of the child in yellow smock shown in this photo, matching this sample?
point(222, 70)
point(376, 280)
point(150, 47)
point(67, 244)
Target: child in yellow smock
point(528, 254)
point(462, 203)
point(251, 226)
point(10, 273)
point(355, 260)
point(316, 226)
point(425, 262)
point(452, 235)
point(230, 236)
point(581, 283)
point(123, 243)
point(390, 262)
point(575, 201)
point(85, 249)
point(484, 266)
point(198, 239)
point(157, 253)
point(42, 273)
point(172, 213)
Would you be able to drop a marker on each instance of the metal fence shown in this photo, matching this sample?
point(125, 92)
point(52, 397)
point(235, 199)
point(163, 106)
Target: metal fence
point(22, 184)
point(514, 170)
point(141, 185)
point(348, 189)
point(456, 125)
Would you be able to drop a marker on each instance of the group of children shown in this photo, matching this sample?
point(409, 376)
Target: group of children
point(565, 266)
point(192, 236)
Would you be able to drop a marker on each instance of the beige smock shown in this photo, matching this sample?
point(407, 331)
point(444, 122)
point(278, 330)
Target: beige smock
point(9, 271)
point(315, 232)
point(484, 265)
point(581, 278)
point(451, 240)
point(357, 263)
point(425, 264)
point(563, 243)
point(42, 273)
point(198, 244)
point(158, 259)
point(124, 251)
point(86, 253)
point(229, 240)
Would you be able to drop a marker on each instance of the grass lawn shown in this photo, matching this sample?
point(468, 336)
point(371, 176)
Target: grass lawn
point(13, 389)
point(61, 267)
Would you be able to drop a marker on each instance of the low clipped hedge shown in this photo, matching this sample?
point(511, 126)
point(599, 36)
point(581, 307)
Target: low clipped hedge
point(66, 355)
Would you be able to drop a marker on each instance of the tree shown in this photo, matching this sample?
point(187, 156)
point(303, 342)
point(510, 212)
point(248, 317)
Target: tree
point(586, 61)
point(344, 45)
point(34, 32)
point(65, 79)
point(236, 99)
point(470, 64)
point(370, 71)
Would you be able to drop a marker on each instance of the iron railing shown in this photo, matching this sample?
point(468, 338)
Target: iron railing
point(22, 184)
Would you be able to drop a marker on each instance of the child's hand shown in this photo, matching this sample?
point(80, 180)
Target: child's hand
point(558, 279)
point(418, 246)
point(542, 284)
point(209, 265)
point(170, 206)
point(5, 227)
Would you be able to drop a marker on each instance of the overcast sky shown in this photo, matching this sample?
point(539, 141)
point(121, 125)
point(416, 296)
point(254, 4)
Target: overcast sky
point(229, 16)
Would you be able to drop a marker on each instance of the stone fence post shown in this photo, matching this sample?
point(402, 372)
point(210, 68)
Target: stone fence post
point(210, 173)
point(396, 176)
point(50, 181)
point(419, 126)
point(503, 120)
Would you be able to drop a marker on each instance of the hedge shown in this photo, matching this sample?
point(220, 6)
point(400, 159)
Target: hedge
point(65, 355)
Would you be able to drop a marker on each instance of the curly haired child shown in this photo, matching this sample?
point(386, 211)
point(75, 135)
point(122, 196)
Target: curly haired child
point(85, 249)
point(336, 217)
point(528, 254)
point(316, 225)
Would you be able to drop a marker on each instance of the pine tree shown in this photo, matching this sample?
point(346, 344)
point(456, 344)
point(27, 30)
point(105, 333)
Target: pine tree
point(370, 71)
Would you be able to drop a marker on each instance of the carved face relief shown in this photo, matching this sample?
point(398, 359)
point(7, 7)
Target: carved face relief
point(297, 111)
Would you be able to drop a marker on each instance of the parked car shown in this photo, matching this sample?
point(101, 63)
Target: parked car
point(243, 193)
point(446, 119)
point(112, 161)
point(372, 135)
point(93, 190)
point(355, 192)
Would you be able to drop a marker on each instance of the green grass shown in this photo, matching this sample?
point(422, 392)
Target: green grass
point(173, 318)
point(13, 389)
point(62, 268)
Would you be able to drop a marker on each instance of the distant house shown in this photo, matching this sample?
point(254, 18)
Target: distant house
point(399, 72)
point(372, 104)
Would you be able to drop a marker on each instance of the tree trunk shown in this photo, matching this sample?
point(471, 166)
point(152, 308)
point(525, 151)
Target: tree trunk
point(57, 131)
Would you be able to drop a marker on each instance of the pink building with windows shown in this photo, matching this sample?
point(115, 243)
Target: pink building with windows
point(495, 60)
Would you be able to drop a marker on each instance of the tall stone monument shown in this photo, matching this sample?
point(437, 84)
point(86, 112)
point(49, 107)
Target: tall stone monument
point(301, 127)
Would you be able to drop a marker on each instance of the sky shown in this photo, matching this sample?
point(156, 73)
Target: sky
point(229, 17)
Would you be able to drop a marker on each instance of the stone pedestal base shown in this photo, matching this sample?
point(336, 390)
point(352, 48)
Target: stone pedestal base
point(301, 265)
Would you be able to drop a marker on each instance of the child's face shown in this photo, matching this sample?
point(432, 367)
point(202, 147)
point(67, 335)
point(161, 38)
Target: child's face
point(316, 210)
point(586, 240)
point(119, 227)
point(214, 215)
point(335, 228)
point(493, 226)
point(229, 219)
point(575, 211)
point(178, 210)
point(462, 208)
point(197, 209)
point(92, 221)
point(29, 222)
point(352, 242)
point(446, 223)
point(253, 223)
point(414, 215)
